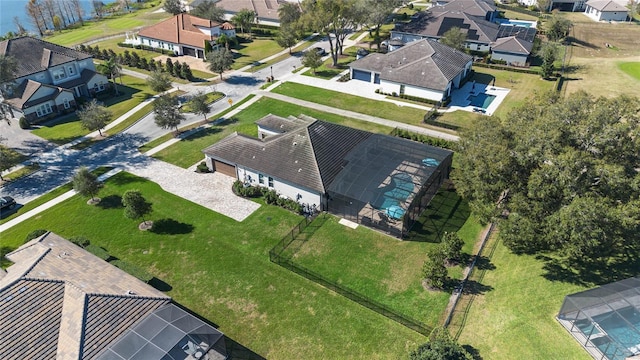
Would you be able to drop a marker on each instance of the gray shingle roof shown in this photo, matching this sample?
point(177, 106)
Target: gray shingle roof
point(436, 22)
point(310, 155)
point(424, 63)
point(512, 44)
point(471, 7)
point(36, 55)
point(607, 5)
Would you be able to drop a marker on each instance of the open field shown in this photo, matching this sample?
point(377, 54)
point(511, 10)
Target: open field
point(631, 68)
point(134, 91)
point(189, 150)
point(385, 269)
point(514, 311)
point(220, 269)
point(112, 25)
point(594, 66)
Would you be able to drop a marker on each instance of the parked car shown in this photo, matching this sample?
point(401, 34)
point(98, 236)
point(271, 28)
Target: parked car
point(7, 202)
point(320, 51)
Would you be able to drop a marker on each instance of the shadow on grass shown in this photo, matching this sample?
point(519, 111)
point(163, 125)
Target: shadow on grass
point(589, 273)
point(573, 41)
point(111, 202)
point(125, 178)
point(472, 287)
point(483, 78)
point(160, 285)
point(475, 353)
point(447, 212)
point(202, 133)
point(171, 227)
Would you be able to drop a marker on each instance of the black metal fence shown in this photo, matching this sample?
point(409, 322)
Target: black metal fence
point(279, 256)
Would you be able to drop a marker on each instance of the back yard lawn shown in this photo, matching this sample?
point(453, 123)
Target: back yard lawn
point(385, 269)
point(220, 269)
point(189, 150)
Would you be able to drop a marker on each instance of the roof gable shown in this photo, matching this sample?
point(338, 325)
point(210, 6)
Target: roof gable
point(512, 44)
point(607, 5)
point(35, 55)
point(181, 29)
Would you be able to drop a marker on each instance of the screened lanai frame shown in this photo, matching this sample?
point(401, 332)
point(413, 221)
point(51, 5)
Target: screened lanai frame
point(386, 182)
point(591, 316)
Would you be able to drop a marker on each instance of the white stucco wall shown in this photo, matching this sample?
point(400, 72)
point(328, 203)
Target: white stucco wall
point(97, 79)
point(161, 45)
point(511, 59)
point(65, 95)
point(598, 15)
point(68, 75)
point(391, 87)
point(283, 188)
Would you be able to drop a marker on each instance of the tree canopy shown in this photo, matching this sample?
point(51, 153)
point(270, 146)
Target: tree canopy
point(94, 116)
point(199, 105)
point(440, 347)
point(159, 81)
point(8, 66)
point(219, 61)
point(135, 205)
point(454, 38)
point(173, 7)
point(86, 183)
point(312, 59)
point(557, 27)
point(167, 113)
point(111, 68)
point(208, 10)
point(244, 19)
point(564, 171)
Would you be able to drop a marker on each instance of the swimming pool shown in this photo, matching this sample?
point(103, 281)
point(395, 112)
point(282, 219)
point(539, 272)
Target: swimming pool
point(395, 194)
point(481, 100)
point(528, 24)
point(613, 333)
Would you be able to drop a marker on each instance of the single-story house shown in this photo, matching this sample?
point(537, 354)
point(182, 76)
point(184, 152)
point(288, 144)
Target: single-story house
point(376, 180)
point(61, 302)
point(48, 78)
point(485, 9)
point(512, 49)
point(183, 34)
point(425, 69)
point(606, 10)
point(568, 5)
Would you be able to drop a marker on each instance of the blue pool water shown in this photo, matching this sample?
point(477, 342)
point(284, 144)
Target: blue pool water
point(619, 332)
point(481, 100)
point(527, 24)
point(395, 194)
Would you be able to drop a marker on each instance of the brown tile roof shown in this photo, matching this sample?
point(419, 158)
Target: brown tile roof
point(181, 29)
point(36, 55)
point(424, 63)
point(65, 302)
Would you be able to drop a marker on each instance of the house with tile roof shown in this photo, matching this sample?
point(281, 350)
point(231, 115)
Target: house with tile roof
point(426, 69)
point(184, 34)
point(376, 180)
point(266, 10)
point(606, 10)
point(49, 78)
point(58, 301)
point(514, 50)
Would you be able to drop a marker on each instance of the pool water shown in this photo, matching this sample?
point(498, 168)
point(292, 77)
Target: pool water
point(395, 194)
point(618, 336)
point(481, 100)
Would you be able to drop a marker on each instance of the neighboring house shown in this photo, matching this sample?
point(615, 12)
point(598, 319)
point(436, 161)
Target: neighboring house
point(568, 5)
point(266, 10)
point(433, 24)
point(376, 180)
point(606, 10)
point(58, 301)
point(183, 34)
point(482, 8)
point(425, 69)
point(49, 78)
point(512, 49)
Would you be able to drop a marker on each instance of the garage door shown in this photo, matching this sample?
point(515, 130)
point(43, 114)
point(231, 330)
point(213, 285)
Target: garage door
point(362, 75)
point(224, 168)
point(189, 51)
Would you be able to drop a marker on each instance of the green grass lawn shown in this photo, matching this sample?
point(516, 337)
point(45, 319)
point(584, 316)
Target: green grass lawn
point(211, 97)
point(631, 68)
point(385, 269)
point(109, 26)
point(189, 150)
point(134, 91)
point(328, 71)
point(220, 269)
point(404, 114)
point(523, 86)
point(248, 53)
point(514, 314)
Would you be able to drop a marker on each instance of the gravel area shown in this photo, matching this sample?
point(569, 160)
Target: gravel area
point(212, 190)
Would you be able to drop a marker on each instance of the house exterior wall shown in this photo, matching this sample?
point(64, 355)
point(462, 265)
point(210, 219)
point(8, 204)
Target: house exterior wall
point(282, 187)
point(511, 59)
point(65, 101)
point(391, 87)
point(598, 15)
point(263, 133)
point(156, 44)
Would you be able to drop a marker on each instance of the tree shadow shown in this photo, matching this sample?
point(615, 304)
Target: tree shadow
point(160, 285)
point(242, 80)
point(124, 178)
point(589, 273)
point(475, 353)
point(472, 287)
point(171, 227)
point(573, 41)
point(484, 263)
point(447, 212)
point(202, 133)
point(111, 202)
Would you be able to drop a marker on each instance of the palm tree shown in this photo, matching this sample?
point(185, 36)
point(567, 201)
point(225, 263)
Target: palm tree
point(112, 68)
point(223, 39)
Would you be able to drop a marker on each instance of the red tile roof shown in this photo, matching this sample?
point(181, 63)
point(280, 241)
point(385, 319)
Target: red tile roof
point(181, 29)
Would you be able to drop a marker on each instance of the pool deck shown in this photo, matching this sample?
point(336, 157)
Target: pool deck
point(460, 97)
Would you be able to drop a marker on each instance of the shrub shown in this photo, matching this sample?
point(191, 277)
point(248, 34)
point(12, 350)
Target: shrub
point(203, 168)
point(131, 269)
point(34, 234)
point(24, 123)
point(98, 251)
point(81, 241)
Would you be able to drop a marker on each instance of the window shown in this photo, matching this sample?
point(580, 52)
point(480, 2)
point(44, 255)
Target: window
point(261, 179)
point(270, 181)
point(66, 103)
point(59, 74)
point(70, 70)
point(44, 109)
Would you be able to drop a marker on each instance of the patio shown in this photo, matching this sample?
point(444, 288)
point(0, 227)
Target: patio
point(461, 99)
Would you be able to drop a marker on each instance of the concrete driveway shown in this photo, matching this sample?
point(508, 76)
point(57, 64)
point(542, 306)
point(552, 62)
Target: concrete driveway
point(23, 141)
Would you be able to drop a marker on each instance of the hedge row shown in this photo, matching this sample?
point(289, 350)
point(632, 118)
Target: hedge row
point(518, 10)
point(507, 68)
point(270, 196)
point(406, 134)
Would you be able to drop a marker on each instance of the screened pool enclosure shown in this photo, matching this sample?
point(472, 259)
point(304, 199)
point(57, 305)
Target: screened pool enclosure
point(605, 320)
